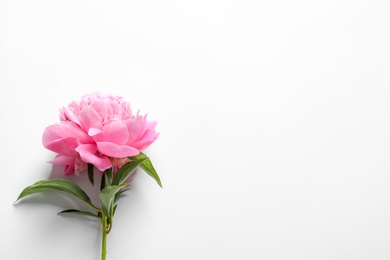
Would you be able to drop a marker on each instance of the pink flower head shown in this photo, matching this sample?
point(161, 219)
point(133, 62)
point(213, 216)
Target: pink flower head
point(100, 130)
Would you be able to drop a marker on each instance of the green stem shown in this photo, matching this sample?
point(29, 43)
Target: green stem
point(104, 236)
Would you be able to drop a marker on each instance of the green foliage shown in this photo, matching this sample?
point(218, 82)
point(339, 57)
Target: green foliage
point(63, 185)
point(119, 193)
point(147, 166)
point(79, 212)
point(108, 175)
point(126, 170)
point(107, 199)
point(90, 173)
point(111, 188)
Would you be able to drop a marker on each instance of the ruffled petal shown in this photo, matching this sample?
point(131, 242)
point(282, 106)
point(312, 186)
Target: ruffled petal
point(63, 160)
point(135, 127)
point(67, 161)
point(67, 114)
point(79, 166)
point(116, 151)
point(64, 130)
point(100, 107)
point(64, 146)
point(147, 139)
point(116, 132)
point(94, 131)
point(89, 154)
point(90, 118)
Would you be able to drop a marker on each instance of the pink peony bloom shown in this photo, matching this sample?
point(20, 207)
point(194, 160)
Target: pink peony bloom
point(101, 130)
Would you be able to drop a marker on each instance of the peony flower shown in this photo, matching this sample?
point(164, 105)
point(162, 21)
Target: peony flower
point(100, 130)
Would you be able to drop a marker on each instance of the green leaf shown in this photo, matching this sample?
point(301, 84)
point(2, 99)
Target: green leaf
point(107, 197)
point(79, 212)
point(57, 184)
point(113, 212)
point(147, 166)
point(119, 193)
point(125, 171)
point(108, 176)
point(90, 173)
point(103, 182)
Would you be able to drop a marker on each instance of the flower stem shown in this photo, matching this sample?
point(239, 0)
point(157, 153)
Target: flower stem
point(104, 236)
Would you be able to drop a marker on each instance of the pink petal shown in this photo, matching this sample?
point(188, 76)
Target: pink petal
point(66, 114)
point(116, 151)
point(135, 127)
point(147, 139)
point(88, 153)
point(64, 146)
point(79, 166)
point(64, 130)
point(69, 169)
point(94, 131)
point(100, 107)
point(63, 160)
point(89, 118)
point(115, 132)
point(68, 162)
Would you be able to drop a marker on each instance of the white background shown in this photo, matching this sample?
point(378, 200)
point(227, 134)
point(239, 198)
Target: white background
point(274, 120)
